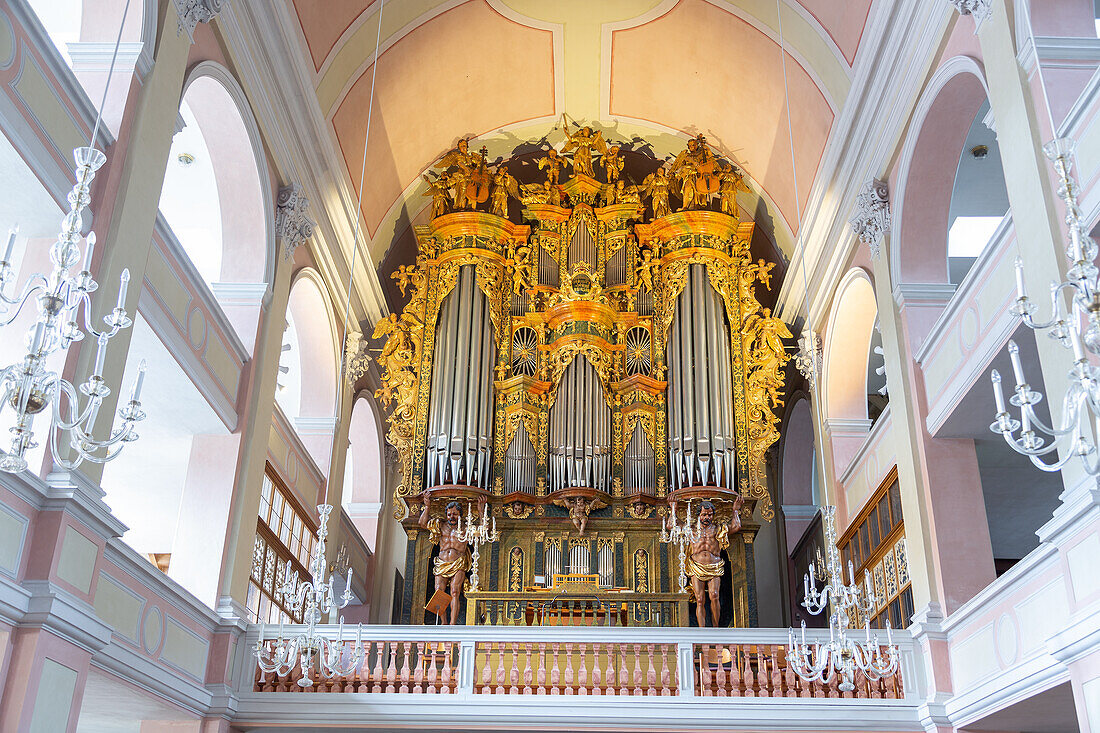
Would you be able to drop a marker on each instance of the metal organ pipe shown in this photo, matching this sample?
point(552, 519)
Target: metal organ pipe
point(700, 415)
point(460, 409)
point(519, 463)
point(580, 431)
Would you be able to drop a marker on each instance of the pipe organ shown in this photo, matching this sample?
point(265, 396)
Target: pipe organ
point(578, 354)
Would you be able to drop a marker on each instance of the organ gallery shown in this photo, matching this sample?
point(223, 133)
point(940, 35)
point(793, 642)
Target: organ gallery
point(582, 369)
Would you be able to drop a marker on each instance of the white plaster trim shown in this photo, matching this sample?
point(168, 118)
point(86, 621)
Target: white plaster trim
point(247, 294)
point(800, 511)
point(325, 426)
point(201, 289)
point(923, 294)
point(96, 56)
point(1084, 107)
point(845, 427)
point(1059, 52)
point(363, 509)
point(963, 294)
point(872, 439)
point(1039, 560)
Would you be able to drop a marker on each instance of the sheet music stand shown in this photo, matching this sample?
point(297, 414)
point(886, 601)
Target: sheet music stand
point(438, 604)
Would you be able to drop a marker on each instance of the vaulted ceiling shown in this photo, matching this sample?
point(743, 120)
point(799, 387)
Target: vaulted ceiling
point(505, 71)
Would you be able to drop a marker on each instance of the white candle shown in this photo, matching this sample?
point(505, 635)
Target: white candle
point(262, 631)
point(1020, 291)
point(100, 355)
point(889, 637)
point(10, 247)
point(851, 573)
point(135, 395)
point(998, 393)
point(1075, 342)
point(124, 282)
point(87, 267)
point(1017, 367)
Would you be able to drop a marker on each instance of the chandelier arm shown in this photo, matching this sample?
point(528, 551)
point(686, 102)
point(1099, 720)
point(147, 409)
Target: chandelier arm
point(35, 282)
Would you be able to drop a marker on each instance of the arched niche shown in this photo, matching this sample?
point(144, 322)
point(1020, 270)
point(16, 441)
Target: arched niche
point(217, 196)
point(848, 340)
point(363, 470)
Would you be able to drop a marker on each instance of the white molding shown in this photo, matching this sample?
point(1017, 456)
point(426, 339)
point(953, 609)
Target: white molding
point(363, 509)
point(960, 295)
point(800, 511)
point(1059, 52)
point(846, 427)
point(923, 294)
point(237, 294)
point(325, 426)
point(872, 438)
point(983, 602)
point(95, 56)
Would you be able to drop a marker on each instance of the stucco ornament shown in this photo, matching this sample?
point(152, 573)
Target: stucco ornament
point(980, 9)
point(292, 225)
point(872, 218)
point(193, 12)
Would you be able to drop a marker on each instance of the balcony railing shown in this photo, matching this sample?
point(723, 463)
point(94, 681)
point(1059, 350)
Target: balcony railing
point(564, 660)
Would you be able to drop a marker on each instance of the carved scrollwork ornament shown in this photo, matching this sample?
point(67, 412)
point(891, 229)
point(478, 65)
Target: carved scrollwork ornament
point(192, 12)
point(980, 9)
point(871, 220)
point(292, 225)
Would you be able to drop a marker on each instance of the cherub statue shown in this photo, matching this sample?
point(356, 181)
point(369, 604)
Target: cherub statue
point(579, 509)
point(504, 185)
point(521, 269)
point(408, 275)
point(644, 271)
point(582, 143)
point(730, 181)
point(553, 163)
point(439, 190)
point(612, 163)
point(656, 186)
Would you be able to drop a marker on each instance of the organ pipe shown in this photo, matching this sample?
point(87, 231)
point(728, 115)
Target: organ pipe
point(638, 466)
point(519, 463)
point(580, 431)
point(700, 414)
point(460, 411)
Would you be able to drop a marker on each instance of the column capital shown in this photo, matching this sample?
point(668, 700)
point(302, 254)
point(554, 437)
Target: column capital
point(980, 9)
point(871, 220)
point(193, 12)
point(292, 225)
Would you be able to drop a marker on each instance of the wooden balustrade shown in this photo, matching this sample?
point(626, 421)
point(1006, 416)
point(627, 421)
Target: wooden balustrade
point(760, 670)
point(547, 608)
point(574, 662)
point(582, 668)
point(387, 666)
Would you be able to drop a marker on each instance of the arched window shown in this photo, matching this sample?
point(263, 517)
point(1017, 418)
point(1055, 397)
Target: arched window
point(363, 475)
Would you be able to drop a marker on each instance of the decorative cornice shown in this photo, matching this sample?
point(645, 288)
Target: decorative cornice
point(193, 12)
point(872, 218)
point(356, 357)
point(980, 9)
point(292, 225)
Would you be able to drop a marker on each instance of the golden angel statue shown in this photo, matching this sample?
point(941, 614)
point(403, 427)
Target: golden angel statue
point(553, 163)
point(730, 181)
point(521, 269)
point(612, 164)
point(439, 190)
point(655, 187)
point(581, 143)
point(644, 272)
point(696, 169)
point(765, 333)
point(504, 186)
point(469, 178)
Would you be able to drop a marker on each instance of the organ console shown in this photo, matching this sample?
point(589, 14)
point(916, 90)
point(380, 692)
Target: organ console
point(577, 364)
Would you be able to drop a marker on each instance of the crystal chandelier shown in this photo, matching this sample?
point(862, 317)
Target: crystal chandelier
point(1075, 435)
point(477, 535)
point(314, 600)
point(840, 656)
point(29, 387)
point(682, 535)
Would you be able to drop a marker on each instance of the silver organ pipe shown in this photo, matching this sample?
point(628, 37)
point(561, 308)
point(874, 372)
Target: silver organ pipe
point(615, 269)
point(700, 414)
point(553, 561)
point(605, 565)
point(582, 248)
point(548, 269)
point(580, 431)
point(578, 559)
point(460, 419)
point(519, 463)
point(638, 464)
